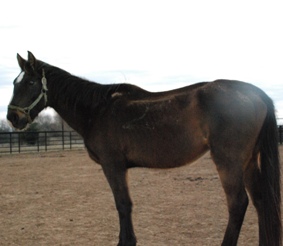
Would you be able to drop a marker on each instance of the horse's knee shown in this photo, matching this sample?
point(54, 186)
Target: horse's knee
point(124, 207)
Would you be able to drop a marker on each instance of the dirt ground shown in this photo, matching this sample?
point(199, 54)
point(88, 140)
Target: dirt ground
point(62, 198)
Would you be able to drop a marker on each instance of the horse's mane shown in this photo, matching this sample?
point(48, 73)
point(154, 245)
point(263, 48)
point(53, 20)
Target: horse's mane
point(80, 93)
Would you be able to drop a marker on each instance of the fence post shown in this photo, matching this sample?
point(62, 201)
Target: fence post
point(38, 141)
point(280, 134)
point(45, 140)
point(19, 142)
point(63, 143)
point(11, 143)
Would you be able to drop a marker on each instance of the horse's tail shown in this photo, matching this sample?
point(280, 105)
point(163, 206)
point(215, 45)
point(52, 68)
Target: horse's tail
point(270, 178)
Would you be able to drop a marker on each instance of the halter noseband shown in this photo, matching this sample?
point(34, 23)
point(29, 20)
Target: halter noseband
point(27, 110)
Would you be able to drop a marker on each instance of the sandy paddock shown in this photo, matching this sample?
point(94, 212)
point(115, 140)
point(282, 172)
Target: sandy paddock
point(62, 198)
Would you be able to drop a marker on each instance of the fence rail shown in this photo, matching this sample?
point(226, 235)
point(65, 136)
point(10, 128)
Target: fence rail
point(19, 142)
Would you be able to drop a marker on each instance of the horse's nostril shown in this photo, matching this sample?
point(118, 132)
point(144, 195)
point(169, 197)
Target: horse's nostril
point(13, 118)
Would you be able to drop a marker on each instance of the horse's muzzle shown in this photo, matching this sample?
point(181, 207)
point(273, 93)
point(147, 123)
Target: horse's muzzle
point(18, 119)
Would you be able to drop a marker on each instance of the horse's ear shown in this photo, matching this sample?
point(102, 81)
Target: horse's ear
point(21, 62)
point(32, 60)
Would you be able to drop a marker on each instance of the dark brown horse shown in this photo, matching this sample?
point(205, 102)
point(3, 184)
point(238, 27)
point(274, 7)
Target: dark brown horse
point(124, 126)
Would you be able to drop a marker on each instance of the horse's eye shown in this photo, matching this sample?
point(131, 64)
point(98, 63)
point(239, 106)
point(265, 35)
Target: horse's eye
point(31, 82)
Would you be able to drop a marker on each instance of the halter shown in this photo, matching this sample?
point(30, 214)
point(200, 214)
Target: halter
point(27, 110)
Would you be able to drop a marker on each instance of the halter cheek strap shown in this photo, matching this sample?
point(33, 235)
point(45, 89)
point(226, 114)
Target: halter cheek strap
point(43, 93)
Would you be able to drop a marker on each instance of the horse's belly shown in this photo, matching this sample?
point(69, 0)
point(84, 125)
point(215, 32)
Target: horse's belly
point(166, 154)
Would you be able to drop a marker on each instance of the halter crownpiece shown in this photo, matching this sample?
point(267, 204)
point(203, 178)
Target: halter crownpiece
point(43, 93)
point(44, 85)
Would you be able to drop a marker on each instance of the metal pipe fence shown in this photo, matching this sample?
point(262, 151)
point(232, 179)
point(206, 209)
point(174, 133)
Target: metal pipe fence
point(20, 142)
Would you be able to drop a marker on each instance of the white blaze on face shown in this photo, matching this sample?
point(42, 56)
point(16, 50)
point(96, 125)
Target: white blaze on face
point(20, 77)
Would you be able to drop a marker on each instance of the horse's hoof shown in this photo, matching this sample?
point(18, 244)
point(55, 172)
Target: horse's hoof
point(127, 244)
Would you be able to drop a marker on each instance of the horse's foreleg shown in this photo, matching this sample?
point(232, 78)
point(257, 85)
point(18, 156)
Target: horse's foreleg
point(118, 183)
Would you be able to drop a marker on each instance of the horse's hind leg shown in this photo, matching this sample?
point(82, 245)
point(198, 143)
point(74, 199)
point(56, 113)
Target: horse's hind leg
point(252, 182)
point(116, 177)
point(231, 176)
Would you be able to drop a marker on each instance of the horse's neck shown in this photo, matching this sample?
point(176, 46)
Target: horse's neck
point(62, 99)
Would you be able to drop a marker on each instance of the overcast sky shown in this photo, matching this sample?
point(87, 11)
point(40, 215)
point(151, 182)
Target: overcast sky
point(157, 45)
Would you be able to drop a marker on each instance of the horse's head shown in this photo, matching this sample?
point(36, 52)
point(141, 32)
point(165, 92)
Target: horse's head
point(30, 92)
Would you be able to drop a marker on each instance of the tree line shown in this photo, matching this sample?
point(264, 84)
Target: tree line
point(44, 122)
